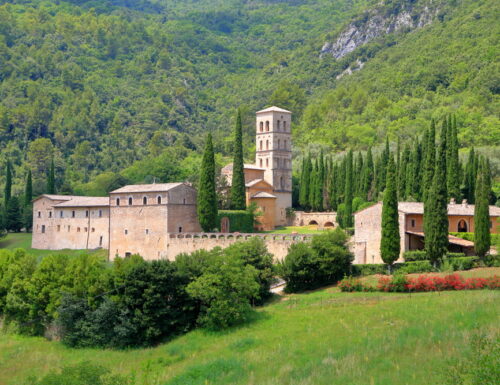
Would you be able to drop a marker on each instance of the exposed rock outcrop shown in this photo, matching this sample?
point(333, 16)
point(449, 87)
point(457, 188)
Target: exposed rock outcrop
point(383, 19)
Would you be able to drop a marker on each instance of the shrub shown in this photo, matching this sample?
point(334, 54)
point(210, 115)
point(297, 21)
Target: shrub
point(415, 255)
point(455, 255)
point(239, 220)
point(415, 267)
point(350, 284)
point(324, 261)
point(369, 269)
point(462, 263)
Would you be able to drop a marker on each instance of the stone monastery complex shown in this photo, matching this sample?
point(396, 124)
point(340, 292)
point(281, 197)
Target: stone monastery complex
point(160, 220)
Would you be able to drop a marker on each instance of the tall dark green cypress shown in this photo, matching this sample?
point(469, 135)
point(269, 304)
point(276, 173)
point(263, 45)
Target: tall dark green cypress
point(429, 161)
point(207, 197)
point(238, 199)
point(470, 177)
point(482, 237)
point(8, 184)
point(403, 168)
point(334, 182)
point(51, 179)
point(320, 182)
point(28, 190)
point(348, 220)
point(13, 219)
point(414, 183)
point(313, 185)
point(367, 176)
point(390, 243)
point(453, 166)
point(436, 209)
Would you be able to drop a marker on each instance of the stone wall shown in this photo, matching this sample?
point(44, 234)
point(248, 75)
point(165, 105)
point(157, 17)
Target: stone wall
point(277, 244)
point(322, 219)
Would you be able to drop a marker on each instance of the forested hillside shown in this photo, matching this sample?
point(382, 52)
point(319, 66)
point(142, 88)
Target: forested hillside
point(122, 91)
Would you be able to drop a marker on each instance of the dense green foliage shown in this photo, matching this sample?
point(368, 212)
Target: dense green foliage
point(238, 197)
point(239, 220)
point(128, 89)
point(390, 242)
point(207, 196)
point(482, 239)
point(323, 262)
point(87, 302)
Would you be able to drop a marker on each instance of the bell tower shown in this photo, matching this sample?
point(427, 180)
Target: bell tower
point(274, 155)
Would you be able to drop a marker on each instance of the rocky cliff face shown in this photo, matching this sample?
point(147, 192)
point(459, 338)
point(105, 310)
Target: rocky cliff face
point(383, 19)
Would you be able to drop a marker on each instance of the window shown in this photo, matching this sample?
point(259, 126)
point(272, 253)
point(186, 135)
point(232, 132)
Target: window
point(126, 231)
point(130, 201)
point(86, 213)
point(278, 125)
point(267, 162)
point(278, 162)
point(100, 240)
point(69, 228)
point(267, 125)
point(73, 214)
point(128, 254)
point(147, 231)
point(39, 214)
point(50, 214)
point(93, 229)
point(261, 126)
point(282, 183)
point(413, 223)
point(491, 224)
point(85, 229)
point(260, 162)
point(279, 144)
point(61, 214)
point(184, 201)
point(118, 201)
point(284, 145)
point(144, 201)
point(100, 213)
point(284, 125)
point(267, 144)
point(159, 200)
point(78, 230)
point(43, 229)
point(58, 227)
point(180, 229)
point(261, 144)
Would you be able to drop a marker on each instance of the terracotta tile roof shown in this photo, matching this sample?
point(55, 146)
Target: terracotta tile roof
point(155, 187)
point(451, 239)
point(263, 194)
point(85, 202)
point(453, 208)
point(274, 109)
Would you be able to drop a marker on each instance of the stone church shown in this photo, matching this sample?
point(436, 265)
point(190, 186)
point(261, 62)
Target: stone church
point(148, 219)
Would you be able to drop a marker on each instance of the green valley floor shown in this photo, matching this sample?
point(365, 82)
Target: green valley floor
point(319, 338)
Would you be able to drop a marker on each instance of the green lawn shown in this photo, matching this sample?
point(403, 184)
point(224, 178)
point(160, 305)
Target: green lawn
point(23, 241)
point(320, 338)
point(295, 229)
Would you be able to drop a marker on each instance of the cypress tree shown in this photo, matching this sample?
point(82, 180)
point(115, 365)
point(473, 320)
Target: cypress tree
point(430, 161)
point(390, 242)
point(348, 219)
point(238, 199)
point(207, 197)
point(320, 182)
point(403, 182)
point(334, 188)
point(13, 220)
point(414, 178)
point(8, 184)
point(27, 209)
point(436, 209)
point(359, 173)
point(470, 177)
point(368, 176)
point(453, 172)
point(51, 181)
point(306, 184)
point(313, 185)
point(482, 237)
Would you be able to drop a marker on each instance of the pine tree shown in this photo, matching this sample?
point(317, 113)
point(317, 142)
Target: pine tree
point(13, 220)
point(348, 220)
point(8, 184)
point(51, 181)
point(436, 209)
point(238, 198)
point(390, 243)
point(27, 209)
point(429, 161)
point(482, 237)
point(207, 197)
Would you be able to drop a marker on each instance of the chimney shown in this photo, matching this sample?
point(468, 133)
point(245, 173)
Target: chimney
point(452, 201)
point(464, 203)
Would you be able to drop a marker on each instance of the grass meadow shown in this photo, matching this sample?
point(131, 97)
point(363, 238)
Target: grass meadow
point(319, 338)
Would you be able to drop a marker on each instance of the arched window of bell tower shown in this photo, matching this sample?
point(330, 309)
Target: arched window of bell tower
point(267, 125)
point(284, 125)
point(261, 144)
point(278, 125)
point(260, 162)
point(261, 126)
point(267, 162)
point(282, 183)
point(267, 144)
point(285, 145)
point(279, 144)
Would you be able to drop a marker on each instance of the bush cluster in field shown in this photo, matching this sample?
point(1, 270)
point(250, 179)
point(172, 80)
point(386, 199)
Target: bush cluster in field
point(403, 284)
point(87, 302)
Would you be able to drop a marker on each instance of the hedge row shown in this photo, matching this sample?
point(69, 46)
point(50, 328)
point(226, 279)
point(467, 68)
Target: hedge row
point(404, 284)
point(420, 255)
point(239, 220)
